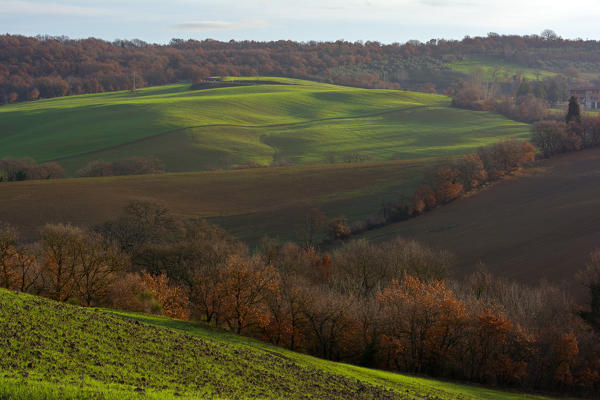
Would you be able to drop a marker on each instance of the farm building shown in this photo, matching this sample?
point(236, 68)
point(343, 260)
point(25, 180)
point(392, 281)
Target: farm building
point(589, 97)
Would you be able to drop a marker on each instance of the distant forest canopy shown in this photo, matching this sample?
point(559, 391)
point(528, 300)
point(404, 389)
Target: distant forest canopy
point(46, 66)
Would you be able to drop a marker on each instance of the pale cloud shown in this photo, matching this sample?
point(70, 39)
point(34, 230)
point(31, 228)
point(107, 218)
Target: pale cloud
point(208, 26)
point(448, 3)
point(384, 20)
point(30, 7)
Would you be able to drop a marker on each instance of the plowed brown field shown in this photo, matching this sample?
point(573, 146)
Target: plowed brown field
point(541, 224)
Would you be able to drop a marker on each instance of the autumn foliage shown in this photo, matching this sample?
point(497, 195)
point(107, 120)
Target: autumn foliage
point(421, 323)
point(172, 298)
point(449, 181)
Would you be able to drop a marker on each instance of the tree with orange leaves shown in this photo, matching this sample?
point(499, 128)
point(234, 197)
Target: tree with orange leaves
point(245, 284)
point(286, 319)
point(172, 298)
point(8, 252)
point(445, 183)
point(424, 199)
point(488, 349)
point(423, 322)
point(338, 229)
point(565, 349)
point(527, 153)
point(471, 171)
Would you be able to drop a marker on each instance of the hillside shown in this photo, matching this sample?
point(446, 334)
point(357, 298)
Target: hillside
point(249, 203)
point(53, 350)
point(541, 225)
point(292, 122)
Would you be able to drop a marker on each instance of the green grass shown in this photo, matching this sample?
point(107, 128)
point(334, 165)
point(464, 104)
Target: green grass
point(491, 69)
point(300, 122)
point(51, 350)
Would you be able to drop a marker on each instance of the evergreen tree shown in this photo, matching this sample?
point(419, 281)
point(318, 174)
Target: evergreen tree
point(574, 113)
point(524, 89)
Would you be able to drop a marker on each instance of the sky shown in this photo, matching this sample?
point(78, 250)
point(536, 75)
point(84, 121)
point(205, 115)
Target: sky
point(386, 21)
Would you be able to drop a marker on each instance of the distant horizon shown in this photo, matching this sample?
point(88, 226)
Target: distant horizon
point(167, 42)
point(385, 21)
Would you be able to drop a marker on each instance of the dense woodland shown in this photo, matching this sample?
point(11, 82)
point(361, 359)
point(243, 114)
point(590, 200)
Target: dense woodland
point(44, 66)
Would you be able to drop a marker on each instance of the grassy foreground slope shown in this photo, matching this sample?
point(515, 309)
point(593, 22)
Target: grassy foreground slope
point(541, 225)
point(51, 350)
point(299, 121)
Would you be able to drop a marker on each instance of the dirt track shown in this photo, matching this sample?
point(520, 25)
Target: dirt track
point(539, 225)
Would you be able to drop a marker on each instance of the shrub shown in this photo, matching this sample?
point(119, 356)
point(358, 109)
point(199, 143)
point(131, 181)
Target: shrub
point(128, 166)
point(337, 229)
point(12, 169)
point(553, 137)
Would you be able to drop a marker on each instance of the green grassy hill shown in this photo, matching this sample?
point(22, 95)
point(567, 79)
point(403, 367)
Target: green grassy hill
point(51, 350)
point(297, 121)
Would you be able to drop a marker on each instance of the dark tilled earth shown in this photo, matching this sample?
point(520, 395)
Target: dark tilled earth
point(540, 225)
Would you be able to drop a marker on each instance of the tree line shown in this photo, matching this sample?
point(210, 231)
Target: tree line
point(575, 132)
point(128, 166)
point(24, 169)
point(442, 183)
point(47, 66)
point(392, 305)
point(13, 169)
point(522, 106)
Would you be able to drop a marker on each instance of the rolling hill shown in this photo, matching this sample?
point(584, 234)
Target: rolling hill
point(292, 121)
point(53, 350)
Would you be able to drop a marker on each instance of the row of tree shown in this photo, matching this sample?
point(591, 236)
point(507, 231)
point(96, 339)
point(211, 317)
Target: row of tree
point(522, 107)
point(390, 305)
point(448, 182)
point(575, 132)
point(127, 166)
point(13, 169)
point(442, 184)
point(554, 90)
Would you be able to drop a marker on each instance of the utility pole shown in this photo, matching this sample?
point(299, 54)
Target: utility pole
point(133, 90)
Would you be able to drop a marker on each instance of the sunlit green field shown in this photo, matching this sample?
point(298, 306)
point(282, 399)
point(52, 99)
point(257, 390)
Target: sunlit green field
point(491, 69)
point(294, 122)
point(51, 350)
